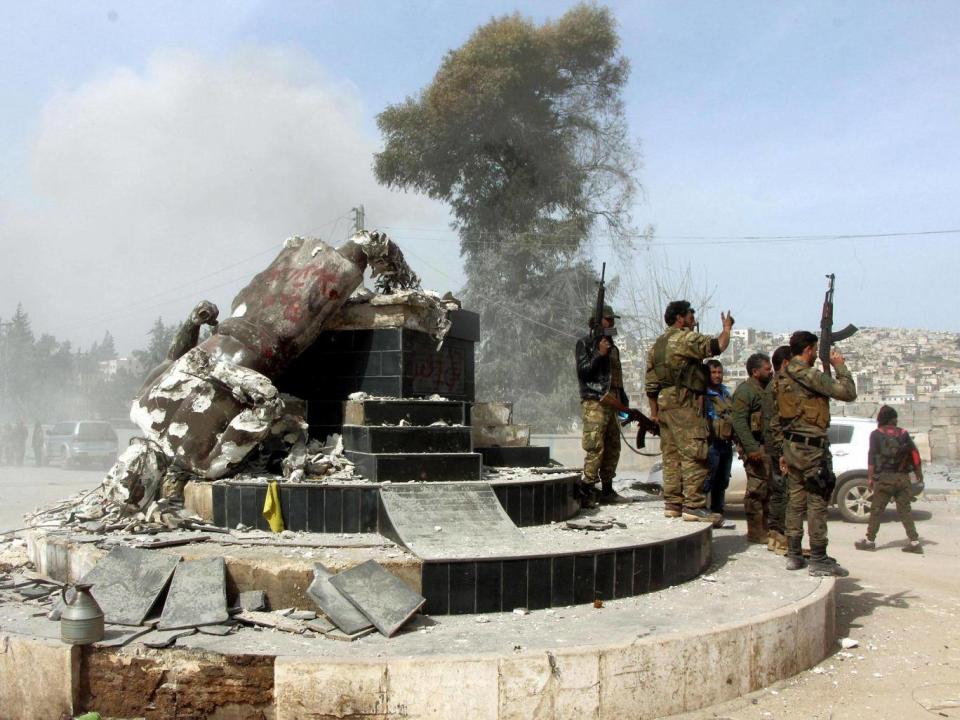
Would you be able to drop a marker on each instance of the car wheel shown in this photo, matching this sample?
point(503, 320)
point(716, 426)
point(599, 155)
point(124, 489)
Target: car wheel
point(853, 500)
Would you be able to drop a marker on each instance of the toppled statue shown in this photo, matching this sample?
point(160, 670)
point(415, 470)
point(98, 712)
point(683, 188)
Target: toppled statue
point(209, 405)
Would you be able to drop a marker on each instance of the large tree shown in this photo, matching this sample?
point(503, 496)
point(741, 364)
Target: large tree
point(522, 132)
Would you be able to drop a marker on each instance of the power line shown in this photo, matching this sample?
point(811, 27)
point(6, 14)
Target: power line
point(494, 237)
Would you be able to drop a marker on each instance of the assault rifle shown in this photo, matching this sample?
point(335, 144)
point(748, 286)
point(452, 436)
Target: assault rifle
point(644, 424)
point(596, 326)
point(827, 336)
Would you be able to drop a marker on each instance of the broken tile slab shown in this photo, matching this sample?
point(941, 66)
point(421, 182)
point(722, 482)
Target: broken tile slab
point(127, 583)
point(165, 638)
point(197, 596)
point(216, 629)
point(118, 636)
point(252, 600)
point(321, 625)
point(302, 615)
point(336, 634)
point(380, 595)
point(334, 605)
point(270, 620)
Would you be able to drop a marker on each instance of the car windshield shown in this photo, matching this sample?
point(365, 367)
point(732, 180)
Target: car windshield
point(840, 434)
point(95, 431)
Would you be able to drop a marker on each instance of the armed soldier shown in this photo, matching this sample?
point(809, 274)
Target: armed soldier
point(892, 456)
point(803, 403)
point(751, 423)
point(600, 376)
point(676, 381)
point(777, 510)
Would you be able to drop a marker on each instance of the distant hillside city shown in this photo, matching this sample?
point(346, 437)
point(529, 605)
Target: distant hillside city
point(890, 365)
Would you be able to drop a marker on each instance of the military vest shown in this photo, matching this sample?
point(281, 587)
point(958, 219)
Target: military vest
point(691, 375)
point(720, 424)
point(894, 453)
point(796, 400)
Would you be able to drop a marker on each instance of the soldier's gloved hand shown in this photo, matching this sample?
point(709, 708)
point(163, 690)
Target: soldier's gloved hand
point(603, 347)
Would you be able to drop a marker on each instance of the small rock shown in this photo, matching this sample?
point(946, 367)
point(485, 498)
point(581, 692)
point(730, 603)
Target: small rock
point(303, 615)
point(709, 578)
point(521, 611)
point(437, 528)
point(482, 619)
point(848, 643)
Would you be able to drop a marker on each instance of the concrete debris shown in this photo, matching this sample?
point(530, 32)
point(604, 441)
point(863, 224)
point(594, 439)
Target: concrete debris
point(165, 638)
point(848, 643)
point(270, 620)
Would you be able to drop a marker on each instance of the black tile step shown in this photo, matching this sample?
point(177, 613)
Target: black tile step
point(409, 439)
point(503, 456)
point(415, 412)
point(407, 467)
point(455, 587)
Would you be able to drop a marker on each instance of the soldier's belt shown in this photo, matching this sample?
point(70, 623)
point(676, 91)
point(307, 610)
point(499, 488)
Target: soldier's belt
point(818, 442)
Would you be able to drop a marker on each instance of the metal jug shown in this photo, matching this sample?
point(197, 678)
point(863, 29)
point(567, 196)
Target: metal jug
point(81, 621)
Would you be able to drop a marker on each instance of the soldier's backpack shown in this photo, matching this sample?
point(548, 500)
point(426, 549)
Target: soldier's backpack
point(894, 450)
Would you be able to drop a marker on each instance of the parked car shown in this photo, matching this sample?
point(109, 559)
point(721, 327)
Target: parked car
point(849, 443)
point(81, 442)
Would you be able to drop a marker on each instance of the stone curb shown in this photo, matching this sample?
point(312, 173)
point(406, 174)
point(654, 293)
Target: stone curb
point(648, 678)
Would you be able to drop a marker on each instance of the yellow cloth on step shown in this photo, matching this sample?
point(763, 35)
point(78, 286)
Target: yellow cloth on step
point(271, 508)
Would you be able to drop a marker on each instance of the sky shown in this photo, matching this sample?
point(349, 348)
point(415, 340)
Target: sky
point(156, 154)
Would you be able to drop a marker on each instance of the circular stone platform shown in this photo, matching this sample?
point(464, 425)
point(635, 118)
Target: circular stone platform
point(745, 624)
point(458, 573)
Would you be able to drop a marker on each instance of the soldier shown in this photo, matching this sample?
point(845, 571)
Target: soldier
point(675, 385)
point(892, 456)
point(803, 402)
point(599, 372)
point(751, 424)
point(717, 407)
point(37, 441)
point(777, 510)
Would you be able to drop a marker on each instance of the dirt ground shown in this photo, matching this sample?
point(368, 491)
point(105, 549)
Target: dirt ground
point(903, 611)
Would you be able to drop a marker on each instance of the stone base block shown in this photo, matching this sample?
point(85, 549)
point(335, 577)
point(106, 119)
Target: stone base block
point(491, 413)
point(485, 436)
point(530, 456)
point(413, 412)
point(423, 467)
point(389, 439)
point(38, 677)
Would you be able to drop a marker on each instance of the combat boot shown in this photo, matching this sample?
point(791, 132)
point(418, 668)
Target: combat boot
point(780, 543)
point(795, 559)
point(609, 496)
point(821, 565)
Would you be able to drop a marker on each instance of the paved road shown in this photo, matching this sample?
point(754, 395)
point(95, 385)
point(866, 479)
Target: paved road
point(25, 488)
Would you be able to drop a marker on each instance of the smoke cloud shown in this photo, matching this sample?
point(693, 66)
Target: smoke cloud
point(147, 183)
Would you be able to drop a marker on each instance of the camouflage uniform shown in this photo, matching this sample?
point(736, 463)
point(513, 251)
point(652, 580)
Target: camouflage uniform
point(803, 402)
point(672, 364)
point(777, 510)
point(892, 453)
point(751, 423)
point(601, 430)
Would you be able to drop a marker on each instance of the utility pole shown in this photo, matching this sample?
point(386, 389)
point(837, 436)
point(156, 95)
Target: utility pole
point(358, 219)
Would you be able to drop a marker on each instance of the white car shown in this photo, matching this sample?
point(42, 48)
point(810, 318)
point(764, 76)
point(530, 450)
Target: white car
point(849, 443)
